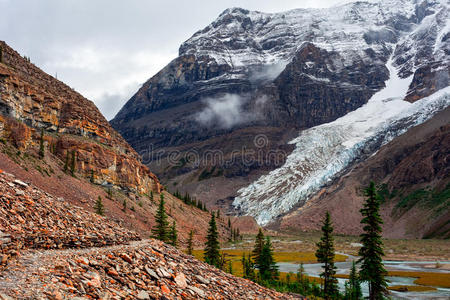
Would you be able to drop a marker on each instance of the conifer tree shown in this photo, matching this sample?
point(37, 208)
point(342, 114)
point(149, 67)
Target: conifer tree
point(124, 205)
point(161, 231)
point(353, 286)
point(371, 253)
point(151, 195)
point(268, 269)
point(99, 207)
point(223, 261)
point(66, 164)
point(300, 273)
point(257, 249)
point(41, 145)
point(173, 235)
point(229, 223)
point(248, 267)
point(212, 246)
point(73, 163)
point(92, 176)
point(190, 247)
point(230, 267)
point(325, 255)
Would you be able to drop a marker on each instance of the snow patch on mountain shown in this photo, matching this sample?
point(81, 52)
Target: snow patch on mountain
point(242, 38)
point(324, 151)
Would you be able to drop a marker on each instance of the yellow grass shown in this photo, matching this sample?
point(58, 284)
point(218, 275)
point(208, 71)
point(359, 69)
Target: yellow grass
point(283, 276)
point(411, 288)
point(235, 257)
point(302, 257)
point(425, 278)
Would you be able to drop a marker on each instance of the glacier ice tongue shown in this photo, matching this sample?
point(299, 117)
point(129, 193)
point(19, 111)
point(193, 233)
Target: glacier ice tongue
point(323, 151)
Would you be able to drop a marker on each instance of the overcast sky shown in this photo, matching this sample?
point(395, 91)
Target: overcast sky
point(106, 49)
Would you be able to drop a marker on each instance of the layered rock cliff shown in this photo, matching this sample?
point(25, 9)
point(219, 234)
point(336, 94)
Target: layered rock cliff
point(31, 101)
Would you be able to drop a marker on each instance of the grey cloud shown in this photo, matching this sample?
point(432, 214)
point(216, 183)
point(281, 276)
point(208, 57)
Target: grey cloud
point(267, 72)
point(225, 111)
point(101, 47)
point(230, 110)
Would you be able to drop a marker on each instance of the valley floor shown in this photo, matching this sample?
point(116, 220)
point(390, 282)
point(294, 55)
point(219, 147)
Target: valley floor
point(417, 269)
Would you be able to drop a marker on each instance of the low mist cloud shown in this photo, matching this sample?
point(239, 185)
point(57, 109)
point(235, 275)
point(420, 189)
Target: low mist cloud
point(230, 110)
point(267, 72)
point(226, 111)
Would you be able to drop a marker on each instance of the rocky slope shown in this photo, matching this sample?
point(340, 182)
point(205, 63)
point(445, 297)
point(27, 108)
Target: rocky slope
point(104, 165)
point(70, 122)
point(114, 269)
point(221, 114)
point(412, 173)
point(31, 218)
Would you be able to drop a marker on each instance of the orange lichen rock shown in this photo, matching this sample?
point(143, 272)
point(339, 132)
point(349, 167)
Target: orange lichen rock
point(32, 100)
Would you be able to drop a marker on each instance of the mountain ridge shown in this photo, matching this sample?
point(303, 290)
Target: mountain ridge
point(250, 74)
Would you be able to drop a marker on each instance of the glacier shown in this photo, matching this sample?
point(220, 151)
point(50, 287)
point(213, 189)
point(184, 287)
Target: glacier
point(324, 151)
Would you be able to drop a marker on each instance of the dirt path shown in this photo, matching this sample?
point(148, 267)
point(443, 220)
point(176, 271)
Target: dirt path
point(146, 269)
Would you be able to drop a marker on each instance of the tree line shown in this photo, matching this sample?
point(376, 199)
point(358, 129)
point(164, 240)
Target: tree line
point(260, 265)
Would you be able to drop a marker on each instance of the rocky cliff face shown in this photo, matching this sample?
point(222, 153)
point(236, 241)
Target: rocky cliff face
point(249, 75)
point(31, 100)
point(76, 136)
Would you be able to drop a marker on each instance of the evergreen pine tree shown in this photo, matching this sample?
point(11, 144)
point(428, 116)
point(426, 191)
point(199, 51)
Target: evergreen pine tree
point(230, 267)
point(190, 247)
point(124, 205)
point(257, 249)
point(92, 176)
point(173, 235)
point(268, 269)
point(223, 261)
point(248, 267)
point(353, 286)
point(161, 231)
point(212, 246)
point(229, 223)
point(73, 163)
point(66, 164)
point(151, 195)
point(325, 255)
point(300, 273)
point(98, 207)
point(372, 268)
point(41, 145)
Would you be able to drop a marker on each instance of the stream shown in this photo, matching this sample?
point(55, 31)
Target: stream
point(344, 268)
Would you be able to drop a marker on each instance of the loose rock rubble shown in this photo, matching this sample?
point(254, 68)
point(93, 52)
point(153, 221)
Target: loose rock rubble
point(31, 218)
point(65, 252)
point(142, 270)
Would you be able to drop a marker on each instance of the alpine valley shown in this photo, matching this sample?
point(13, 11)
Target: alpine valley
point(282, 116)
point(213, 180)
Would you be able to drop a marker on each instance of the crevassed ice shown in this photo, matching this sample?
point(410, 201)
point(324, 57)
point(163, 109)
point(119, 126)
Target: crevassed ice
point(323, 151)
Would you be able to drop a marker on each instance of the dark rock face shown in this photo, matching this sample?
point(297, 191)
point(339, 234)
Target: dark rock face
point(250, 73)
point(312, 92)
